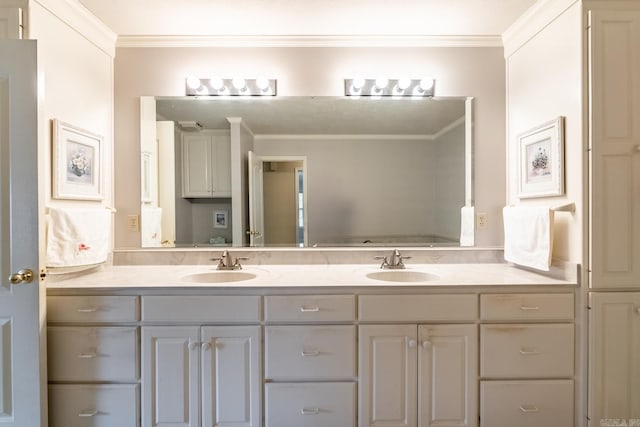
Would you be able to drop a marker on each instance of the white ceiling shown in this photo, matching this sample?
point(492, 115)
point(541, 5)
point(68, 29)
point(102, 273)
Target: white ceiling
point(308, 17)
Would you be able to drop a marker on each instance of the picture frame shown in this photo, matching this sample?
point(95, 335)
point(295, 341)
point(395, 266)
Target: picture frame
point(541, 160)
point(77, 163)
point(220, 219)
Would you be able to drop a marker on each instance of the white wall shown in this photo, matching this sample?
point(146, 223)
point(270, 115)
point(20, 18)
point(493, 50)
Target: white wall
point(477, 72)
point(544, 81)
point(75, 67)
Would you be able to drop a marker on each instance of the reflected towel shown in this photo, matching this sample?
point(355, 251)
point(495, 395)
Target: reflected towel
point(151, 227)
point(467, 221)
point(78, 236)
point(528, 236)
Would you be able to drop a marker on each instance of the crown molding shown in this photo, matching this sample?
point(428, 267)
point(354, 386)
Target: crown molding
point(82, 21)
point(532, 22)
point(133, 41)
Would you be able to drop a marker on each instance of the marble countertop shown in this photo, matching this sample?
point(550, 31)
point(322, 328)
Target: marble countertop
point(302, 275)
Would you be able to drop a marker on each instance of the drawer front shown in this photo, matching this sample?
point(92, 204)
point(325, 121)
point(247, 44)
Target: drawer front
point(310, 405)
point(310, 352)
point(526, 403)
point(526, 351)
point(175, 309)
point(86, 353)
point(418, 308)
point(310, 308)
point(92, 309)
point(93, 405)
point(521, 307)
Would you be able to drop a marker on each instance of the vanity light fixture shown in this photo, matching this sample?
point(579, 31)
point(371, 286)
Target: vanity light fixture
point(216, 86)
point(390, 87)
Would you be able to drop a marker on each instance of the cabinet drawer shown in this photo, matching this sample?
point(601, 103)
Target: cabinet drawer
point(92, 353)
point(175, 309)
point(92, 309)
point(521, 307)
point(418, 308)
point(526, 403)
point(310, 352)
point(310, 308)
point(93, 405)
point(310, 405)
point(526, 351)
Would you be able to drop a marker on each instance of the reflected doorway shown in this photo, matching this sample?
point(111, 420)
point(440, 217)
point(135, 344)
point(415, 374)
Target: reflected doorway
point(284, 212)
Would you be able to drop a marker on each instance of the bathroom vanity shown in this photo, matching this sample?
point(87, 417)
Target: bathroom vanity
point(312, 345)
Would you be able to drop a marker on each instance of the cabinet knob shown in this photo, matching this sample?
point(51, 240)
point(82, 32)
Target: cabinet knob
point(310, 411)
point(637, 148)
point(193, 345)
point(426, 344)
point(638, 310)
point(88, 413)
point(412, 343)
point(206, 346)
point(529, 408)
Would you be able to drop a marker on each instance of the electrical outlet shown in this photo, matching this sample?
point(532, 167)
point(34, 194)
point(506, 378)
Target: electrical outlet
point(134, 223)
point(481, 221)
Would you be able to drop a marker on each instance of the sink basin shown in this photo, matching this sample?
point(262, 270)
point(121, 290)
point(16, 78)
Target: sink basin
point(219, 277)
point(402, 276)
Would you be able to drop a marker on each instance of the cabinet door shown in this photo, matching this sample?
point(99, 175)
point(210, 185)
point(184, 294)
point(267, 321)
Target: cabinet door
point(170, 373)
point(221, 166)
point(448, 375)
point(615, 164)
point(196, 166)
point(388, 375)
point(614, 356)
point(231, 376)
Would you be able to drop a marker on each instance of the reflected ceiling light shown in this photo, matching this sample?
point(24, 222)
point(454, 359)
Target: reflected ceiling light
point(216, 86)
point(389, 87)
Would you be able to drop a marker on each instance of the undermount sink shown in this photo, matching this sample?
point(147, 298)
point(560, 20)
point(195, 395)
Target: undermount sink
point(402, 276)
point(219, 277)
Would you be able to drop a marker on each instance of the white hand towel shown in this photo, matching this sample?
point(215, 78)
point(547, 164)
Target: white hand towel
point(78, 236)
point(467, 221)
point(528, 236)
point(151, 227)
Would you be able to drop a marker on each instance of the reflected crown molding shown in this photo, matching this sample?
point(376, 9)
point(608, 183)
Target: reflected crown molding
point(125, 41)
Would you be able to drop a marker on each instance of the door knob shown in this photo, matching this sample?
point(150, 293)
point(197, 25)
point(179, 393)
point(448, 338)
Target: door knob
point(21, 276)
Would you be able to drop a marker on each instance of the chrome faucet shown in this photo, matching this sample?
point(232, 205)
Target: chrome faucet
point(396, 262)
point(226, 261)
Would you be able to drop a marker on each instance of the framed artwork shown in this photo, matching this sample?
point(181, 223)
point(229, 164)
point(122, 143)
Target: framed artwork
point(220, 219)
point(541, 160)
point(77, 163)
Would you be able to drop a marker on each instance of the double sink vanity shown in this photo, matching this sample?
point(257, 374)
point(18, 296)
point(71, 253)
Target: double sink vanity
point(447, 340)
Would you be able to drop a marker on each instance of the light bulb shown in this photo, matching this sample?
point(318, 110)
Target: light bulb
point(193, 82)
point(262, 83)
point(357, 83)
point(403, 84)
point(216, 83)
point(239, 83)
point(382, 82)
point(426, 84)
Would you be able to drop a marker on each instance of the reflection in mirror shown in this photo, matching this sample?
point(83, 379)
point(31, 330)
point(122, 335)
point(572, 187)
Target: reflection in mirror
point(334, 171)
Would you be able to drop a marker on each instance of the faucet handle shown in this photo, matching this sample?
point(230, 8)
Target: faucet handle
point(385, 262)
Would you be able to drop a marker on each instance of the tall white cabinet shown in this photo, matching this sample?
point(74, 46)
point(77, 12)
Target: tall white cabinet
point(614, 300)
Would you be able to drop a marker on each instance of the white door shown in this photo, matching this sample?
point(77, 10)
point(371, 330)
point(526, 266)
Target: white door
point(256, 201)
point(614, 356)
point(448, 376)
point(10, 23)
point(20, 397)
point(170, 376)
point(231, 376)
point(387, 386)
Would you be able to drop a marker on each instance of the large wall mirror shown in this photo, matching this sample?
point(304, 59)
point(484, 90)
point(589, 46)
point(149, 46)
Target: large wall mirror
point(314, 171)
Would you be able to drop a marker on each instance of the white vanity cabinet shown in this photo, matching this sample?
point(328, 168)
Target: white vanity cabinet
point(417, 369)
point(197, 369)
point(93, 361)
point(206, 164)
point(310, 361)
point(527, 360)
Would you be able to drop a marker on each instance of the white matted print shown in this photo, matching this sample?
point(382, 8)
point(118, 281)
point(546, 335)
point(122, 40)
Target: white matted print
point(220, 219)
point(541, 160)
point(77, 163)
